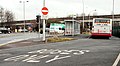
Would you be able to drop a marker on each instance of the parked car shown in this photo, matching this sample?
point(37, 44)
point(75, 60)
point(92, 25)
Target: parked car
point(23, 30)
point(0, 32)
point(4, 30)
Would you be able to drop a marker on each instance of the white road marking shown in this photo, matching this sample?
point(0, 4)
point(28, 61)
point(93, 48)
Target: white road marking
point(38, 51)
point(65, 52)
point(57, 51)
point(117, 60)
point(37, 55)
point(35, 58)
point(57, 58)
point(16, 58)
point(12, 41)
point(4, 54)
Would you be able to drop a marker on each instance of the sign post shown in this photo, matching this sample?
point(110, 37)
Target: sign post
point(44, 12)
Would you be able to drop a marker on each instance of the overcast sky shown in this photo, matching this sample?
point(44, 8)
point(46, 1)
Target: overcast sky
point(59, 8)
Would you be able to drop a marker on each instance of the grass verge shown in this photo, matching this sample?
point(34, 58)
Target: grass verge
point(59, 39)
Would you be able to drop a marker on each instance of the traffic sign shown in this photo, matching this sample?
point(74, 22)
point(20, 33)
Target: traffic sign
point(44, 10)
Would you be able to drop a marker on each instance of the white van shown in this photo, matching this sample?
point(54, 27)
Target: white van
point(56, 29)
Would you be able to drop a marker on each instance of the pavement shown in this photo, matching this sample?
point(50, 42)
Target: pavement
point(37, 41)
point(16, 37)
point(34, 41)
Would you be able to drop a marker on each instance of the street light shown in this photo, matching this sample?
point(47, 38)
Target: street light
point(24, 12)
point(113, 16)
point(113, 11)
point(83, 14)
point(89, 17)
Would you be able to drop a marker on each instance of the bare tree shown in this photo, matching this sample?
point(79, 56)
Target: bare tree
point(1, 14)
point(6, 15)
point(9, 16)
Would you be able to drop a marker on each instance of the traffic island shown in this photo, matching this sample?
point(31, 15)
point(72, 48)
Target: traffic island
point(59, 39)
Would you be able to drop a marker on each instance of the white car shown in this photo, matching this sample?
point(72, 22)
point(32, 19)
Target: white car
point(22, 30)
point(0, 32)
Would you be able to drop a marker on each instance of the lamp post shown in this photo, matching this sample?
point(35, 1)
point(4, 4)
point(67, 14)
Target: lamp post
point(89, 17)
point(113, 11)
point(113, 16)
point(24, 12)
point(83, 14)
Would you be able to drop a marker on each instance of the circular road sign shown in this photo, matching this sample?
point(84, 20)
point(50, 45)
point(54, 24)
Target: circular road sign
point(44, 10)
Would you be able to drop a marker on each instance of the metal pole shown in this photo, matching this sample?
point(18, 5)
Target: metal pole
point(113, 16)
point(83, 14)
point(43, 3)
point(73, 25)
point(43, 23)
point(24, 14)
point(44, 29)
point(113, 13)
point(89, 20)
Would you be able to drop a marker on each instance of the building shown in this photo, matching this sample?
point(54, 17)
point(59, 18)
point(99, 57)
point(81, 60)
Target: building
point(87, 21)
point(16, 25)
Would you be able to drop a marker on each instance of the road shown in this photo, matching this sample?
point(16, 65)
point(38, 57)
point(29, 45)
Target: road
point(13, 37)
point(81, 52)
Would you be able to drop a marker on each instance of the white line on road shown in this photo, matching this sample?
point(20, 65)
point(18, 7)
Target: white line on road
point(4, 54)
point(57, 58)
point(117, 60)
point(12, 41)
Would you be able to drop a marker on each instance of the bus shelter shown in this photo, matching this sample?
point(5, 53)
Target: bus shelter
point(72, 27)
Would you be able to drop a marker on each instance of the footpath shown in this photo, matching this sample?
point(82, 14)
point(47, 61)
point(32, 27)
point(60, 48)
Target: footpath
point(37, 41)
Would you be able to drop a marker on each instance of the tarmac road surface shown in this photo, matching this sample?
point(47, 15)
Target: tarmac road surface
point(80, 52)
